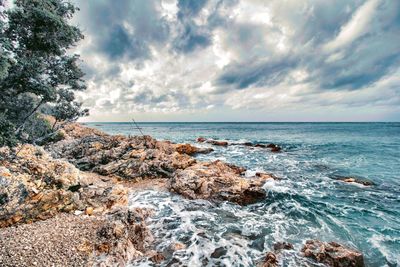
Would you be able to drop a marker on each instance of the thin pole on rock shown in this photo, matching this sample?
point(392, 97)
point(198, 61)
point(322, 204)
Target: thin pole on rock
point(137, 126)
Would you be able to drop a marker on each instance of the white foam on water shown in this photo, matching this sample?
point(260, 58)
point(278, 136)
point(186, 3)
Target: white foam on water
point(378, 241)
point(206, 228)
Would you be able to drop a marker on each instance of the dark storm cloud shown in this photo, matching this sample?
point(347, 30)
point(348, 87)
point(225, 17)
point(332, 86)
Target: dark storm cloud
point(256, 73)
point(190, 35)
point(120, 43)
point(124, 28)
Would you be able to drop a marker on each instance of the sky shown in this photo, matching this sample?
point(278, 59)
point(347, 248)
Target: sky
point(240, 60)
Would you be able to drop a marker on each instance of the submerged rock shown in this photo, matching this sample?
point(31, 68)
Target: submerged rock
point(271, 146)
point(333, 254)
point(356, 180)
point(218, 181)
point(283, 246)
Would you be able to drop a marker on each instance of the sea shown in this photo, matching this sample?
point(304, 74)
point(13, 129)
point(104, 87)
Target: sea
point(309, 202)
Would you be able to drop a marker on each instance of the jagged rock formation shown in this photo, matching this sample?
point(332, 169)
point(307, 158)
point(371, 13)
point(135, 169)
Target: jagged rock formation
point(34, 186)
point(142, 157)
point(132, 158)
point(218, 181)
point(333, 254)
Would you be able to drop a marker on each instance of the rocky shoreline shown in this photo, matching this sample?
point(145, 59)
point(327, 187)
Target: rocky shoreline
point(66, 203)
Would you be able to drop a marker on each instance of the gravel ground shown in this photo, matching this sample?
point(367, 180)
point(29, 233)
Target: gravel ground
point(60, 241)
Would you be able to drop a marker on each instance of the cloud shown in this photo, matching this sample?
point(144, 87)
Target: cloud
point(356, 27)
point(202, 56)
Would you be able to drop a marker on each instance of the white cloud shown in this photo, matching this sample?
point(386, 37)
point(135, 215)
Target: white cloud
point(355, 28)
point(256, 57)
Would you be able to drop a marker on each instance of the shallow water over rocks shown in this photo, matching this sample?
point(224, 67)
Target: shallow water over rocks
point(309, 202)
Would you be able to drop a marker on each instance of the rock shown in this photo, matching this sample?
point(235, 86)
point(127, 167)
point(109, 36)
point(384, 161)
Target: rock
point(260, 145)
point(332, 254)
point(270, 260)
point(217, 143)
point(247, 144)
point(356, 180)
point(131, 158)
point(192, 150)
point(219, 252)
point(157, 257)
point(34, 186)
point(122, 238)
point(89, 211)
point(265, 176)
point(177, 246)
point(201, 139)
point(276, 149)
point(283, 246)
point(217, 181)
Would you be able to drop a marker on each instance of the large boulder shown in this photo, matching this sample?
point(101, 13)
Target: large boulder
point(192, 150)
point(34, 186)
point(218, 181)
point(333, 254)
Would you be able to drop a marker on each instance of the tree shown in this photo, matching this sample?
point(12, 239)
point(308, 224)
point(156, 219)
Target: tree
point(37, 70)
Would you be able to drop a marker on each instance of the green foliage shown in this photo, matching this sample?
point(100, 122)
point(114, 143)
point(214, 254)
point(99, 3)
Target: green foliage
point(7, 136)
point(35, 68)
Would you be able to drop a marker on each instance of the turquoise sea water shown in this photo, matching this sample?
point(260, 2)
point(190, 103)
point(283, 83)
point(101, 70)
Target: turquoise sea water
point(308, 203)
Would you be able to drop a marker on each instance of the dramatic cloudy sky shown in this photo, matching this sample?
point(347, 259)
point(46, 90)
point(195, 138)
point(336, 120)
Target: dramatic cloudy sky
point(241, 60)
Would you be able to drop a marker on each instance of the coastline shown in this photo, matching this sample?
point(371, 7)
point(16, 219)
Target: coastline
point(92, 175)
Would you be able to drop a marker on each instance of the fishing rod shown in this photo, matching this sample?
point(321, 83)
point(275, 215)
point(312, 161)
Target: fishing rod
point(137, 126)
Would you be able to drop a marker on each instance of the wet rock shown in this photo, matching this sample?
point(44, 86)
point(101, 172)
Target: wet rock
point(157, 257)
point(192, 150)
point(283, 246)
point(217, 143)
point(276, 149)
point(219, 252)
point(212, 141)
point(333, 254)
point(177, 246)
point(122, 238)
point(260, 145)
point(270, 260)
point(217, 181)
point(356, 180)
point(266, 176)
point(201, 139)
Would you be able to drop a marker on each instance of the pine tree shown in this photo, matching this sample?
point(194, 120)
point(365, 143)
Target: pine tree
point(36, 68)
